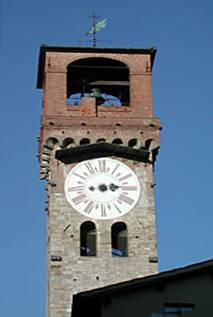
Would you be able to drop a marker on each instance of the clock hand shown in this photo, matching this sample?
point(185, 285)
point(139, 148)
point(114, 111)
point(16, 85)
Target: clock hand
point(101, 187)
point(113, 187)
point(92, 188)
point(104, 187)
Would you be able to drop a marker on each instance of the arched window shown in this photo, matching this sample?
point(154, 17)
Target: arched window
point(119, 239)
point(88, 239)
point(104, 78)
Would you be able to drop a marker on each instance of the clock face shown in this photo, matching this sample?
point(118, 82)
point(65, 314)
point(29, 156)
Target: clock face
point(102, 188)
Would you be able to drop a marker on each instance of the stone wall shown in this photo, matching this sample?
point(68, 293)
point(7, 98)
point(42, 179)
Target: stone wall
point(65, 126)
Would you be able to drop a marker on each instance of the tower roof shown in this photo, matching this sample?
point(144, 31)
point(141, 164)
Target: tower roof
point(73, 49)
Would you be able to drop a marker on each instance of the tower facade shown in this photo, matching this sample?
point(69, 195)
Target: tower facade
point(98, 143)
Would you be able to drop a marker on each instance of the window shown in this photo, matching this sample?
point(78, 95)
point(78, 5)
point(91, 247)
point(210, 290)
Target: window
point(175, 310)
point(88, 239)
point(119, 239)
point(103, 78)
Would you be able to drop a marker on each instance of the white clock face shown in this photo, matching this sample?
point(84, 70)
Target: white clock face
point(102, 188)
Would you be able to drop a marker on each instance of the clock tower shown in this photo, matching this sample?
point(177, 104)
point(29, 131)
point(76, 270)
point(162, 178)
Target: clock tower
point(97, 147)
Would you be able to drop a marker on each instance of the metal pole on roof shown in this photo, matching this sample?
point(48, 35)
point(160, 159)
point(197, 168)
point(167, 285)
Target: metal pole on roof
point(95, 27)
point(94, 40)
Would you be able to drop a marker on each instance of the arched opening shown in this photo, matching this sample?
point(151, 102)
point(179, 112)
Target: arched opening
point(84, 141)
point(51, 142)
point(88, 239)
point(148, 144)
point(68, 142)
point(152, 146)
point(117, 141)
point(133, 143)
point(101, 141)
point(104, 78)
point(119, 238)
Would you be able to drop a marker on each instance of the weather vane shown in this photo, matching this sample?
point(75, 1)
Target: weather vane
point(97, 25)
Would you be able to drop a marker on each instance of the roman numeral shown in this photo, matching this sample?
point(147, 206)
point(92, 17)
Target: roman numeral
point(90, 168)
point(76, 188)
point(102, 166)
point(78, 199)
point(129, 188)
point(118, 209)
point(126, 199)
point(79, 175)
point(115, 169)
point(103, 210)
point(89, 207)
point(125, 177)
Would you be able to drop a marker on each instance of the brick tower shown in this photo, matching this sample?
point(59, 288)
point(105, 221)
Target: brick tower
point(98, 143)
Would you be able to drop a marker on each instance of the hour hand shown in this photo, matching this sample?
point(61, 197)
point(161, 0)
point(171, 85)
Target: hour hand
point(113, 187)
point(92, 188)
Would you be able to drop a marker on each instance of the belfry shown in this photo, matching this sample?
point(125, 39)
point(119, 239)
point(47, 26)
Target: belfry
point(99, 140)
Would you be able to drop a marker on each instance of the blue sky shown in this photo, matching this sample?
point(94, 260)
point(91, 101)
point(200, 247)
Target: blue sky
point(182, 84)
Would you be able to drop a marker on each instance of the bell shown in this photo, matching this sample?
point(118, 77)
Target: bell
point(96, 92)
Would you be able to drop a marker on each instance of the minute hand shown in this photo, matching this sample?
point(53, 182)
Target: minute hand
point(113, 187)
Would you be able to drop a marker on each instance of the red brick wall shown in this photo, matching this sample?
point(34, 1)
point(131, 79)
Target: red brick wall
point(133, 121)
point(140, 83)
